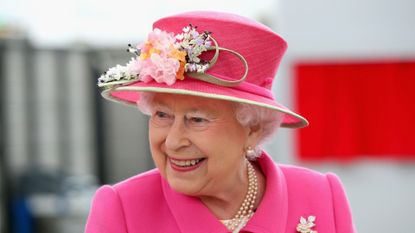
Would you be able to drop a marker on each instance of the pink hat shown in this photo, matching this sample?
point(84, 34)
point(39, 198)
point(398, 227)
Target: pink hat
point(208, 54)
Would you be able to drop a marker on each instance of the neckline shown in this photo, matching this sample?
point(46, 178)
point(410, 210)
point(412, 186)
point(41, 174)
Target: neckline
point(192, 216)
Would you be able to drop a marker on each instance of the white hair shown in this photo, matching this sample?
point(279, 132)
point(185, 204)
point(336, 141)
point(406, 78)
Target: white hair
point(144, 102)
point(268, 120)
point(247, 115)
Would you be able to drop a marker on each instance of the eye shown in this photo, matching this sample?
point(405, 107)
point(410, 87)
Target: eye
point(198, 120)
point(160, 118)
point(160, 114)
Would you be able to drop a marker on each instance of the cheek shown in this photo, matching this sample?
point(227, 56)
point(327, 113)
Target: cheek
point(156, 136)
point(229, 137)
point(156, 142)
point(223, 145)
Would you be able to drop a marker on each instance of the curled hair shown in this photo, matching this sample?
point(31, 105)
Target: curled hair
point(144, 102)
point(267, 119)
point(246, 114)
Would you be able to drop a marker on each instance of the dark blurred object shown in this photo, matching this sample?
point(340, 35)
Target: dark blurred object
point(47, 138)
point(51, 202)
point(58, 137)
point(22, 219)
point(5, 194)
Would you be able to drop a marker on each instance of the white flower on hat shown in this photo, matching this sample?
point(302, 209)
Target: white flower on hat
point(164, 57)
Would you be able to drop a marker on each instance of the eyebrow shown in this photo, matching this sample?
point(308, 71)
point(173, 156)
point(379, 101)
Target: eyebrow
point(203, 112)
point(159, 104)
point(209, 112)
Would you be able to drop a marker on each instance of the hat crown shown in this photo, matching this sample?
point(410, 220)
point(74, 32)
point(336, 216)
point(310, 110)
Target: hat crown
point(235, 60)
point(258, 44)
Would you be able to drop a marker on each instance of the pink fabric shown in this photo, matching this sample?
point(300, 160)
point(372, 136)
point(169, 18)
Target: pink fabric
point(259, 45)
point(262, 48)
point(146, 203)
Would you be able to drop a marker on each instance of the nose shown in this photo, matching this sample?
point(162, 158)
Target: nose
point(177, 136)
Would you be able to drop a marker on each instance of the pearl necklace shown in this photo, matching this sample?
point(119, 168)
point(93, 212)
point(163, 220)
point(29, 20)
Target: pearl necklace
point(247, 208)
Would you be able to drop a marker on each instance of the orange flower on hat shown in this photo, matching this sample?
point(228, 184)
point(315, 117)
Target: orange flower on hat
point(180, 72)
point(147, 50)
point(181, 56)
point(178, 54)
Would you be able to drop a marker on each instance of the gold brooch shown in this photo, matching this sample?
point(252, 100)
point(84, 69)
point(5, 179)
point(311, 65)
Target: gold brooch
point(306, 225)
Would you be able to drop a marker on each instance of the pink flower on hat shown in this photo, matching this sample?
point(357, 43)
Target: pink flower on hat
point(160, 68)
point(158, 42)
point(156, 62)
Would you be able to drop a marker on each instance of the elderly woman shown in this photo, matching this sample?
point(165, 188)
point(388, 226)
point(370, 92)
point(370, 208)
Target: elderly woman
point(204, 78)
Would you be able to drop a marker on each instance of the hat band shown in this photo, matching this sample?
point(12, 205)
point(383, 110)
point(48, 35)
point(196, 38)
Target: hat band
point(250, 88)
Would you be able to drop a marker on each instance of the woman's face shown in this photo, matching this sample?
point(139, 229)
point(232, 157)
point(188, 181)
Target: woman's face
point(197, 143)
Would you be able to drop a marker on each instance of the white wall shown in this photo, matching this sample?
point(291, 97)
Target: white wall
point(352, 28)
point(106, 23)
point(381, 192)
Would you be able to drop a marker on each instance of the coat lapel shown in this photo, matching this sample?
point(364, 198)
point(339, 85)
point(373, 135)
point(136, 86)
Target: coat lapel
point(191, 215)
point(271, 215)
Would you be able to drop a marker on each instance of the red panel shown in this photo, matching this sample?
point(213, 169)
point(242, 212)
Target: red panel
point(356, 110)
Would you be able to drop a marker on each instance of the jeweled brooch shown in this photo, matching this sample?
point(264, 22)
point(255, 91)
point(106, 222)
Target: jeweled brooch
point(306, 225)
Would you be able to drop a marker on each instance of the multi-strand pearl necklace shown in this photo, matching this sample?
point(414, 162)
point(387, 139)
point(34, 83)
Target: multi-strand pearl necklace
point(247, 208)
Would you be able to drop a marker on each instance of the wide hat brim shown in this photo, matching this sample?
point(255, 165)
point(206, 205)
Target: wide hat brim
point(245, 93)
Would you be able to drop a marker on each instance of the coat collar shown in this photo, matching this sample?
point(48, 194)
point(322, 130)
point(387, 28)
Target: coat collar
point(271, 215)
point(192, 216)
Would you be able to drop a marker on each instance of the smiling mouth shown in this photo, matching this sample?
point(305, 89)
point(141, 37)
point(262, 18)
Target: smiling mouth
point(186, 163)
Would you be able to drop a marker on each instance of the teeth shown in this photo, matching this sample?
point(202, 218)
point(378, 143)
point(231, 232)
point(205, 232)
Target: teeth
point(185, 163)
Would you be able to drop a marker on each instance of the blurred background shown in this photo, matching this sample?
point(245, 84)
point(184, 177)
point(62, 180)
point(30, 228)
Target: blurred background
point(350, 69)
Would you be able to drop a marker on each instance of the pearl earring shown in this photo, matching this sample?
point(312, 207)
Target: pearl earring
point(250, 152)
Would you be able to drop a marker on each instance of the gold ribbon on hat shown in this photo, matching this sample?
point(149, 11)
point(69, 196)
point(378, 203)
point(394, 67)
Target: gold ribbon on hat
point(215, 80)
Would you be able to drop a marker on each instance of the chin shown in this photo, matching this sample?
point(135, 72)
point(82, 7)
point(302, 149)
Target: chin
point(182, 187)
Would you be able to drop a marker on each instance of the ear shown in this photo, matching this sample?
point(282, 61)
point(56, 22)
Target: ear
point(254, 135)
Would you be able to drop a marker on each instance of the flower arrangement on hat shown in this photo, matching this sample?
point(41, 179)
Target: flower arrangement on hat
point(163, 57)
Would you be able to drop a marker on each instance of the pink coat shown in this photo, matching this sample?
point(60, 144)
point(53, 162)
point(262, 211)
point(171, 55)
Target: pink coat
point(145, 204)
